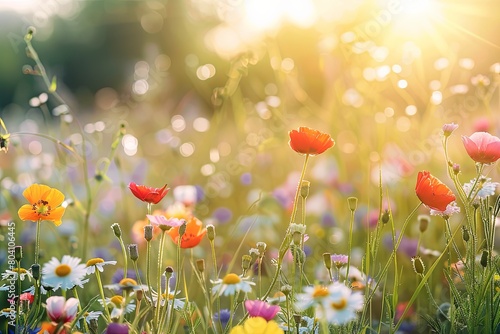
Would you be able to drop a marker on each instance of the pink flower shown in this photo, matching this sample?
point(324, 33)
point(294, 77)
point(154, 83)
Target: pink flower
point(449, 128)
point(61, 310)
point(259, 308)
point(165, 223)
point(482, 147)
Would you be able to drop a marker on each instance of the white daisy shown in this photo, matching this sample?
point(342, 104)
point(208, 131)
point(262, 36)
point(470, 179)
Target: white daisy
point(312, 296)
point(126, 284)
point(178, 302)
point(98, 263)
point(231, 284)
point(64, 274)
point(341, 305)
point(117, 303)
point(451, 209)
point(12, 274)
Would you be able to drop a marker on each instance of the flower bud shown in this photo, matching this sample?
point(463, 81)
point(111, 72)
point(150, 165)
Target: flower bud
point(200, 265)
point(254, 253)
point(139, 294)
point(423, 221)
point(304, 188)
point(456, 168)
point(182, 230)
point(286, 289)
point(465, 233)
point(386, 216)
point(148, 232)
point(353, 203)
point(484, 258)
point(169, 271)
point(211, 232)
point(117, 230)
point(418, 265)
point(261, 246)
point(18, 253)
point(297, 238)
point(35, 271)
point(298, 319)
point(246, 262)
point(133, 252)
point(449, 128)
point(327, 260)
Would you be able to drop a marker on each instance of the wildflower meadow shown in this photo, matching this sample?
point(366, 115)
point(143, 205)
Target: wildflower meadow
point(257, 167)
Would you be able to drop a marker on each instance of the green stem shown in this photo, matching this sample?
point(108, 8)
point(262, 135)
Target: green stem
point(177, 279)
point(351, 224)
point(80, 310)
point(103, 297)
point(215, 274)
point(158, 281)
point(37, 242)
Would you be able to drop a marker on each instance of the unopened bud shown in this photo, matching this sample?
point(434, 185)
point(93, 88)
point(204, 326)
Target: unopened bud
point(484, 258)
point(304, 188)
point(29, 33)
point(465, 233)
point(200, 265)
point(286, 289)
point(386, 216)
point(148, 232)
point(298, 319)
point(246, 262)
point(456, 168)
point(18, 253)
point(35, 271)
point(169, 271)
point(418, 264)
point(261, 246)
point(182, 230)
point(353, 203)
point(117, 230)
point(423, 221)
point(297, 238)
point(139, 294)
point(211, 232)
point(327, 260)
point(133, 252)
point(254, 253)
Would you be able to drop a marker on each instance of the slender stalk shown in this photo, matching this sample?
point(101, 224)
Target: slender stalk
point(158, 281)
point(18, 301)
point(37, 241)
point(351, 224)
point(80, 309)
point(178, 263)
point(449, 237)
point(103, 297)
point(215, 274)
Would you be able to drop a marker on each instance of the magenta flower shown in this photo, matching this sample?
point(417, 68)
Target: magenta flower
point(116, 328)
point(482, 147)
point(259, 308)
point(61, 310)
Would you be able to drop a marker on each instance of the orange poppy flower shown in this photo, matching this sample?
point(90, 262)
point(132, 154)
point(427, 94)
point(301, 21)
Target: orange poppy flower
point(148, 194)
point(44, 204)
point(432, 192)
point(193, 235)
point(309, 141)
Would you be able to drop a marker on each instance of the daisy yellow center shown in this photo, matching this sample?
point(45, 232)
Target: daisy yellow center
point(20, 270)
point(231, 279)
point(128, 282)
point(117, 300)
point(42, 208)
point(341, 304)
point(94, 261)
point(320, 292)
point(169, 297)
point(63, 270)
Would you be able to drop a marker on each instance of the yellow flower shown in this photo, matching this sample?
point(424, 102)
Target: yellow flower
point(45, 204)
point(257, 325)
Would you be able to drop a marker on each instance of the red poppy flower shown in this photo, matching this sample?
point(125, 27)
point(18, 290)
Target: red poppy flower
point(432, 192)
point(148, 194)
point(309, 141)
point(482, 147)
point(193, 234)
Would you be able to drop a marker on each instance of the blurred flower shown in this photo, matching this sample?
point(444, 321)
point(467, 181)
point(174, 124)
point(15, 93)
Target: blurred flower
point(450, 210)
point(259, 308)
point(339, 260)
point(137, 232)
point(98, 263)
point(449, 128)
point(341, 305)
point(163, 222)
point(230, 284)
point(192, 236)
point(222, 215)
point(312, 296)
point(186, 194)
point(178, 210)
point(148, 194)
point(44, 204)
point(64, 274)
point(486, 188)
point(307, 325)
point(257, 325)
point(116, 328)
point(27, 296)
point(482, 147)
point(432, 192)
point(309, 141)
point(61, 310)
point(481, 124)
point(223, 316)
point(117, 305)
point(126, 284)
point(12, 274)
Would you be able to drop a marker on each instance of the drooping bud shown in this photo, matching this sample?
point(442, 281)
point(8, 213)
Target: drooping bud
point(304, 188)
point(449, 128)
point(327, 260)
point(286, 289)
point(200, 265)
point(117, 230)
point(456, 169)
point(418, 265)
point(423, 221)
point(386, 216)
